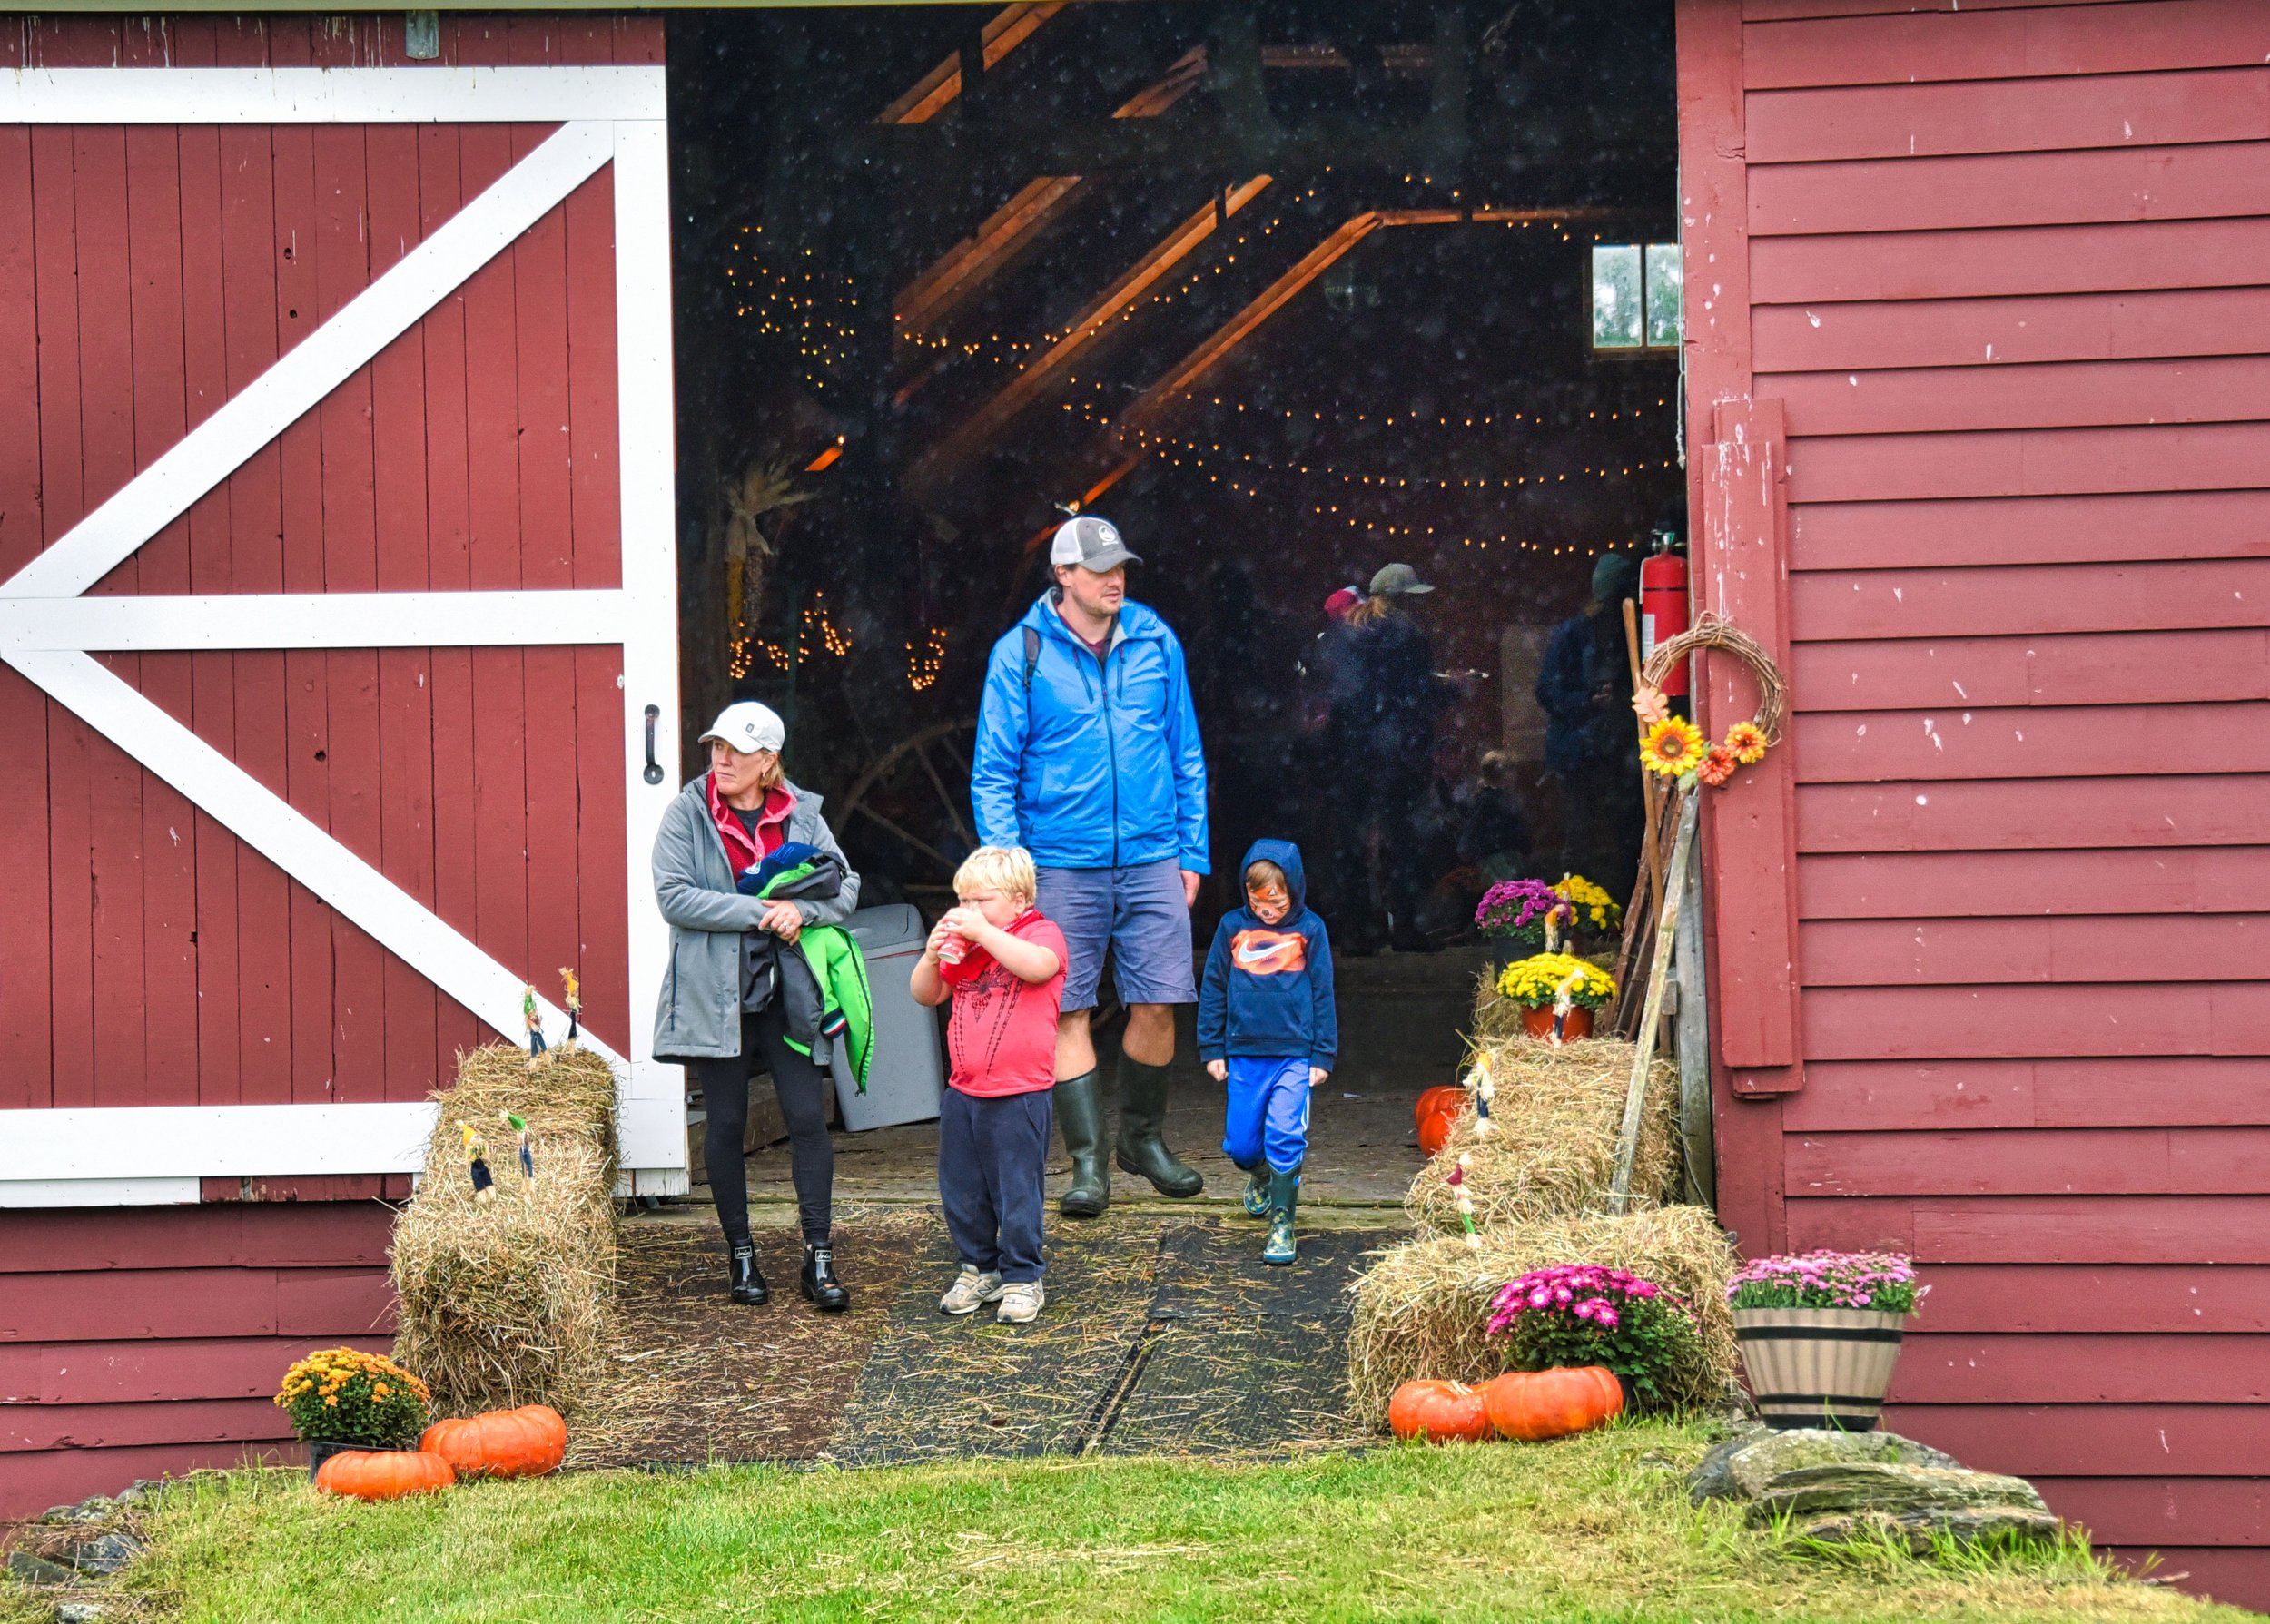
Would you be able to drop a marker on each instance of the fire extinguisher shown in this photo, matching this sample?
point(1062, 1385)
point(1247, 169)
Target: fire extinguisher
point(1664, 605)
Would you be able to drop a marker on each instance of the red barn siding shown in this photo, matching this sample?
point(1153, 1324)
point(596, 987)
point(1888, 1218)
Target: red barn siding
point(142, 1341)
point(2002, 268)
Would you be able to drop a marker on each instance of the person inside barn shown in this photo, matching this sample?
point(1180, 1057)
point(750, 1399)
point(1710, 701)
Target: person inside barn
point(727, 1006)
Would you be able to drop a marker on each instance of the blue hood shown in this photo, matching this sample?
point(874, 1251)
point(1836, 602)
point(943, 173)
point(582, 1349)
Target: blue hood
point(1285, 856)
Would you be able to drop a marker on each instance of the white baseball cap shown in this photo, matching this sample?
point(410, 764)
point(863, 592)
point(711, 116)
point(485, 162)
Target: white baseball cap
point(748, 727)
point(1089, 542)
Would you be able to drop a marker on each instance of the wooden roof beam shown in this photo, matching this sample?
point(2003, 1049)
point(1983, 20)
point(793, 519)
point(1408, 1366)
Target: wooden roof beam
point(966, 267)
point(1036, 377)
point(932, 94)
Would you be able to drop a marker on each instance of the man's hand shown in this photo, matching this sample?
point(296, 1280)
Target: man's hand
point(1317, 1074)
point(783, 919)
point(1190, 889)
point(1219, 1070)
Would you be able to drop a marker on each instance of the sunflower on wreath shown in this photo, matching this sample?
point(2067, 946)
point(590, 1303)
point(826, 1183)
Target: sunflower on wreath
point(1673, 747)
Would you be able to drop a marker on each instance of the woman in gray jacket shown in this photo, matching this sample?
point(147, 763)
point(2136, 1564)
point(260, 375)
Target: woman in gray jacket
point(723, 1012)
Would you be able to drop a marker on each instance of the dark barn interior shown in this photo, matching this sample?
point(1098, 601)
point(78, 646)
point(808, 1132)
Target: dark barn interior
point(1288, 291)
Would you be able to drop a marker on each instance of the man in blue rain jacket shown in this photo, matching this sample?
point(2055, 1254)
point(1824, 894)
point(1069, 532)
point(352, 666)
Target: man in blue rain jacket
point(1088, 756)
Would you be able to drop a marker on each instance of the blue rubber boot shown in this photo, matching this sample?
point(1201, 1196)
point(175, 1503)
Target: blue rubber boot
point(1256, 1194)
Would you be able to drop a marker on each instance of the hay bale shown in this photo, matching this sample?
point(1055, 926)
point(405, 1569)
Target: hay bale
point(1556, 1115)
point(1423, 1309)
point(510, 1301)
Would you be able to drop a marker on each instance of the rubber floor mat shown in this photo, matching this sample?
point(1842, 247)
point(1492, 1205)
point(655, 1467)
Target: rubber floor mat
point(936, 1388)
point(1239, 1383)
point(1210, 1269)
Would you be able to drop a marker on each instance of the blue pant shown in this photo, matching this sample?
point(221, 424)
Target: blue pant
point(992, 1157)
point(1269, 1113)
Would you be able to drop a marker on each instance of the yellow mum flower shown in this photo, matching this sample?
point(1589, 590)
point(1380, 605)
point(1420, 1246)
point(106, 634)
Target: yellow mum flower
point(330, 1403)
point(1747, 741)
point(1673, 747)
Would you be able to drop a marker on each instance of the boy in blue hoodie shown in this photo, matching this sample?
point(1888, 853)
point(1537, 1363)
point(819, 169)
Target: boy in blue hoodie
point(1268, 1028)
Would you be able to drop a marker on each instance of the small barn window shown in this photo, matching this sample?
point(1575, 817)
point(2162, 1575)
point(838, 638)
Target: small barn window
point(1635, 296)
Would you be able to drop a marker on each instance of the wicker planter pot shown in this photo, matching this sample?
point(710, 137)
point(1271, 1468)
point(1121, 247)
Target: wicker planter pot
point(1538, 1023)
point(1819, 1367)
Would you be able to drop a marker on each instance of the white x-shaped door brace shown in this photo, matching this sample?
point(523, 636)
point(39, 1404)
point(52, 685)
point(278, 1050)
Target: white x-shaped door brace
point(48, 627)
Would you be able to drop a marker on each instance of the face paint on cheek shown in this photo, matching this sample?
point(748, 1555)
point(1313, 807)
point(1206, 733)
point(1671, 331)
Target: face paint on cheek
point(1269, 905)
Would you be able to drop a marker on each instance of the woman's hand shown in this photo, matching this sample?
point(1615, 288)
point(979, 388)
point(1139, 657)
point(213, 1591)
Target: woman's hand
point(783, 919)
point(1219, 1070)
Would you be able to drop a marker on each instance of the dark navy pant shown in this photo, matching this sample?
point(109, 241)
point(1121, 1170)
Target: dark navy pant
point(993, 1159)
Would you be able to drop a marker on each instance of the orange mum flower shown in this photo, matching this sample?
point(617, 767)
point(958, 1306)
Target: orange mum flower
point(1718, 765)
point(1747, 741)
point(1673, 747)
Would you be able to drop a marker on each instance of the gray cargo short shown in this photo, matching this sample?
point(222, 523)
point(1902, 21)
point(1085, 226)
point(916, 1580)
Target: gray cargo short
point(1139, 915)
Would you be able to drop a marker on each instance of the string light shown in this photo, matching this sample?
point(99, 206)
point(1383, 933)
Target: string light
point(923, 664)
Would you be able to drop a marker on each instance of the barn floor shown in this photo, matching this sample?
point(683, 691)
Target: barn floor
point(1164, 1332)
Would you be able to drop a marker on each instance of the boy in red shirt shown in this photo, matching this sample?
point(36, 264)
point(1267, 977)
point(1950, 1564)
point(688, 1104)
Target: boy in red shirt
point(1003, 966)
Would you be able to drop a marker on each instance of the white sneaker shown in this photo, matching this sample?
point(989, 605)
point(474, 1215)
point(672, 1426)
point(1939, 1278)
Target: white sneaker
point(971, 1291)
point(1020, 1304)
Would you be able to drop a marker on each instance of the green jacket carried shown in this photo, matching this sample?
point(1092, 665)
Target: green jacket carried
point(823, 985)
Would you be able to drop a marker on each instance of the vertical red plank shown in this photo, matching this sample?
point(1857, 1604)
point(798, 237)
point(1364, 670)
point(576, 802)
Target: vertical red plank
point(62, 469)
point(405, 696)
point(447, 562)
point(115, 795)
point(169, 830)
point(540, 268)
point(307, 688)
point(26, 950)
point(500, 788)
point(212, 674)
point(596, 495)
point(253, 314)
point(352, 767)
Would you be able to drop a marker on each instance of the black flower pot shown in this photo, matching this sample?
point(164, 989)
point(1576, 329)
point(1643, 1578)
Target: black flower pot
point(320, 1450)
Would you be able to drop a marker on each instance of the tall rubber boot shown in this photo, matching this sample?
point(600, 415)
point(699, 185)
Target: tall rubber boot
point(1284, 1197)
point(1142, 1118)
point(1078, 1102)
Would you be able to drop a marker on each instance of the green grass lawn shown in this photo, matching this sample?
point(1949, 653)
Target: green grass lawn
point(1593, 1528)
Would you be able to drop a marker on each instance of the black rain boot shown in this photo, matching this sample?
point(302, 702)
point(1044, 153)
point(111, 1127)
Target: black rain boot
point(745, 1279)
point(1143, 1116)
point(1284, 1197)
point(1078, 1102)
point(821, 1288)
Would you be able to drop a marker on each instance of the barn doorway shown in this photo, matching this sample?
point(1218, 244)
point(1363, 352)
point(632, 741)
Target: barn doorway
point(1291, 293)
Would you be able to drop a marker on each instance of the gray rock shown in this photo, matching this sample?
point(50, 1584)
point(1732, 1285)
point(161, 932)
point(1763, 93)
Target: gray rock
point(1923, 1531)
point(1897, 1491)
point(1742, 1466)
point(142, 1489)
point(94, 1508)
point(107, 1554)
point(58, 1513)
point(78, 1612)
point(37, 1570)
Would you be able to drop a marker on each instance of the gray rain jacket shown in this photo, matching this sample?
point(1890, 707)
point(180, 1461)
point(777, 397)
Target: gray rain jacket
point(698, 1014)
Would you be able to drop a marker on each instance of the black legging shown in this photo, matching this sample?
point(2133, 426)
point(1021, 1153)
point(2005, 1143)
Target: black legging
point(802, 1090)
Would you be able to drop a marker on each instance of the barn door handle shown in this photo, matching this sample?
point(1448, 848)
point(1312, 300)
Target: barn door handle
point(654, 767)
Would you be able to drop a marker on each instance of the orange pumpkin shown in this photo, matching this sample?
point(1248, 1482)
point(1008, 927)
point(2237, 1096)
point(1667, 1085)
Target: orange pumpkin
point(1534, 1405)
point(1439, 1411)
point(1444, 1096)
point(500, 1443)
point(1435, 1130)
point(384, 1474)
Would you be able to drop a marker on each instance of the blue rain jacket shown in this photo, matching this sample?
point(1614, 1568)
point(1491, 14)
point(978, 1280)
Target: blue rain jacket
point(1097, 763)
point(1268, 988)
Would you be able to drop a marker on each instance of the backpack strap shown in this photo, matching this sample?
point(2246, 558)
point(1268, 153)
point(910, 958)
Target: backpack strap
point(1032, 655)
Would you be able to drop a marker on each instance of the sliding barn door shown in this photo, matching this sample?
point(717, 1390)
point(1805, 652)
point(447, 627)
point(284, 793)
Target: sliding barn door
point(336, 609)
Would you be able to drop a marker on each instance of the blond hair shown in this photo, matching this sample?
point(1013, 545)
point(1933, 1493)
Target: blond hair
point(1376, 607)
point(1005, 869)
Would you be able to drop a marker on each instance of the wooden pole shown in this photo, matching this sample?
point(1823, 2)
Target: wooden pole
point(1692, 1025)
point(1651, 1017)
point(1647, 780)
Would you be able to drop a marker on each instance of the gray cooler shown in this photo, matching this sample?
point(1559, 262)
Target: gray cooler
point(907, 1072)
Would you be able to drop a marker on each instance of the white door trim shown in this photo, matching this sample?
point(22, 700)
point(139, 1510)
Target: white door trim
point(435, 95)
point(136, 1155)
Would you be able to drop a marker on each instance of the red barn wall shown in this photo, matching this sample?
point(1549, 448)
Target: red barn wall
point(2006, 270)
point(150, 958)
